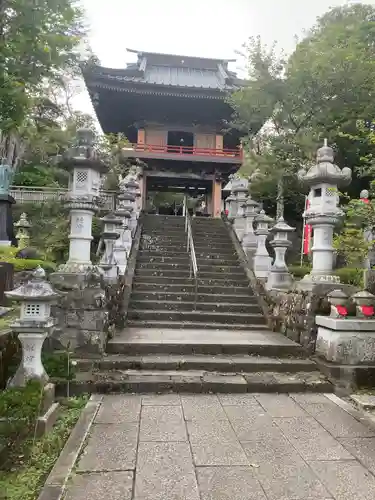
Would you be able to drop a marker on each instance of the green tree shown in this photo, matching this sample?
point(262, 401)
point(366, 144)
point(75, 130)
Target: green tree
point(324, 89)
point(38, 40)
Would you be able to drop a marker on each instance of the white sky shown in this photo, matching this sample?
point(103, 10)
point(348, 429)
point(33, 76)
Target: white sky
point(206, 28)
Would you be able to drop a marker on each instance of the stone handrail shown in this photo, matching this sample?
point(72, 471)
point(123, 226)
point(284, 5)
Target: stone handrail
point(27, 194)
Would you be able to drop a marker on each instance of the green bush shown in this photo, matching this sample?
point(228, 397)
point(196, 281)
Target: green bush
point(348, 275)
point(299, 271)
point(59, 365)
point(29, 264)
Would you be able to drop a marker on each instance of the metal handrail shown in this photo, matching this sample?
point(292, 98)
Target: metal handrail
point(191, 251)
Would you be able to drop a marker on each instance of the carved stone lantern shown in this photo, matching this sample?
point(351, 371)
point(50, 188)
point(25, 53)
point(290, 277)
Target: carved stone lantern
point(323, 213)
point(279, 277)
point(110, 234)
point(250, 240)
point(262, 259)
point(84, 184)
point(23, 234)
point(240, 188)
point(133, 189)
point(33, 326)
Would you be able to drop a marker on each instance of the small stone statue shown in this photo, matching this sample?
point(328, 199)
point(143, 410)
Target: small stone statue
point(6, 177)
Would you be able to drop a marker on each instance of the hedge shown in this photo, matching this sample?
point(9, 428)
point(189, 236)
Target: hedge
point(347, 275)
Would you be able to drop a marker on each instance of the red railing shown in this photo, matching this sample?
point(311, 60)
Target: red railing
point(186, 150)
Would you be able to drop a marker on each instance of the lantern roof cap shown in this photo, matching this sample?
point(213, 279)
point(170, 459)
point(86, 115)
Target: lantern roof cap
point(37, 289)
point(263, 217)
point(282, 227)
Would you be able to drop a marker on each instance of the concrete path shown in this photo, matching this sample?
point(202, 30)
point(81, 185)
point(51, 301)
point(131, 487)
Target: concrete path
point(225, 447)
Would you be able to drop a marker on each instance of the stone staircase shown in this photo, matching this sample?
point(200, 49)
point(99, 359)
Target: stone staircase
point(221, 344)
point(164, 294)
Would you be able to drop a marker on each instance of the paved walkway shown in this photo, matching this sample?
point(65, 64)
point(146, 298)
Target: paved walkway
point(226, 447)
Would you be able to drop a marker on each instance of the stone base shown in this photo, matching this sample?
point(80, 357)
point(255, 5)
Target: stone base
point(348, 377)
point(346, 341)
point(262, 266)
point(81, 314)
point(279, 280)
point(308, 282)
point(20, 378)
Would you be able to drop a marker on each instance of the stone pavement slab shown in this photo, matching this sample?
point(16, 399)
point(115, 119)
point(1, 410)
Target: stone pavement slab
point(162, 423)
point(363, 449)
point(119, 409)
point(215, 443)
point(280, 405)
point(97, 486)
point(311, 440)
point(201, 407)
point(337, 421)
point(225, 447)
point(228, 483)
point(165, 472)
point(110, 447)
point(346, 480)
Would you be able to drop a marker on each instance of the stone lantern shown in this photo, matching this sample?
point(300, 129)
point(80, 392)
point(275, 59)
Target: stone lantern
point(240, 188)
point(85, 180)
point(110, 234)
point(262, 259)
point(279, 277)
point(23, 235)
point(33, 326)
point(323, 213)
point(124, 210)
point(133, 189)
point(250, 240)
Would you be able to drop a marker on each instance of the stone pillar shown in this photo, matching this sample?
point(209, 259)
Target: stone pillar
point(250, 240)
point(23, 235)
point(33, 326)
point(81, 316)
point(240, 190)
point(262, 259)
point(279, 277)
point(109, 235)
point(6, 201)
point(323, 213)
point(125, 208)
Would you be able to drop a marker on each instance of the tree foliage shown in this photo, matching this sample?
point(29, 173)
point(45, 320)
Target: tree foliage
point(324, 89)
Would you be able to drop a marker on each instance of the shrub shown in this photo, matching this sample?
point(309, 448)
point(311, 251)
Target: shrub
point(30, 264)
point(299, 271)
point(348, 275)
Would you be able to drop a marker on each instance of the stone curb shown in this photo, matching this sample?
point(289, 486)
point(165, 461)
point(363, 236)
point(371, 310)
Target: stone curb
point(360, 415)
point(54, 487)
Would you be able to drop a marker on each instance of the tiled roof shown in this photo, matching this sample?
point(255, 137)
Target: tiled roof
point(174, 71)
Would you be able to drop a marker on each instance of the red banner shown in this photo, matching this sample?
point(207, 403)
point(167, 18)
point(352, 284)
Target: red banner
point(307, 233)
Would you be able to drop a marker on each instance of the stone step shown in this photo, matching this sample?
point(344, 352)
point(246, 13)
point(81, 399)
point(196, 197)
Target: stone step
point(236, 273)
point(223, 318)
point(207, 254)
point(219, 363)
point(167, 287)
point(195, 381)
point(193, 340)
point(181, 305)
point(189, 296)
point(182, 325)
point(183, 259)
point(202, 281)
point(179, 266)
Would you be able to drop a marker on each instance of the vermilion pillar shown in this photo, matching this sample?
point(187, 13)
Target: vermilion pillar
point(216, 198)
point(219, 142)
point(141, 140)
